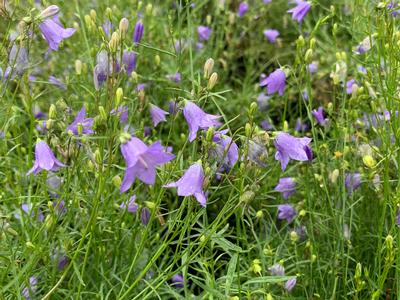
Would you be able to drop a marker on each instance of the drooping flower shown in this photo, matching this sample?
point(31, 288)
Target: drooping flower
point(44, 159)
point(30, 290)
point(17, 62)
point(177, 281)
point(286, 186)
point(198, 119)
point(318, 114)
point(243, 9)
point(300, 10)
point(289, 147)
point(275, 82)
point(54, 33)
point(352, 182)
point(58, 83)
point(204, 33)
point(138, 32)
point(277, 270)
point(271, 35)
point(157, 114)
point(62, 262)
point(129, 61)
point(286, 212)
point(225, 149)
point(86, 123)
point(191, 184)
point(131, 206)
point(141, 161)
point(290, 284)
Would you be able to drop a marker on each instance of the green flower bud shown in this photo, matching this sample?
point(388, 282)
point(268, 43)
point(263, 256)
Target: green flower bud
point(119, 94)
point(116, 180)
point(52, 112)
point(208, 67)
point(212, 81)
point(78, 67)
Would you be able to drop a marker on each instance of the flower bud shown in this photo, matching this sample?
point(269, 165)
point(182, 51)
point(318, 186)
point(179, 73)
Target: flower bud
point(30, 245)
point(116, 180)
point(49, 12)
point(248, 129)
point(247, 197)
point(79, 127)
point(134, 77)
point(52, 112)
point(150, 205)
point(119, 94)
point(308, 56)
point(49, 124)
point(256, 266)
point(212, 81)
point(202, 238)
point(313, 41)
point(210, 134)
point(300, 42)
point(253, 108)
point(114, 41)
point(123, 26)
point(124, 137)
point(102, 112)
point(208, 19)
point(108, 12)
point(208, 67)
point(157, 60)
point(78, 67)
point(97, 157)
point(369, 161)
point(334, 176)
point(294, 237)
point(11, 231)
point(259, 214)
point(269, 297)
point(93, 15)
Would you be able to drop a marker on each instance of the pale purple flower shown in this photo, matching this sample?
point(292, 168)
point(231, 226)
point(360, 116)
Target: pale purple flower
point(58, 83)
point(17, 62)
point(129, 61)
point(175, 77)
point(275, 82)
point(257, 153)
point(198, 119)
point(28, 209)
point(226, 149)
point(173, 107)
point(145, 215)
point(30, 290)
point(263, 101)
point(204, 33)
point(267, 1)
point(271, 35)
point(289, 147)
point(102, 69)
point(318, 114)
point(157, 114)
point(286, 186)
point(122, 112)
point(141, 161)
point(138, 32)
point(54, 33)
point(243, 9)
point(277, 270)
point(312, 68)
point(87, 123)
point(290, 284)
point(108, 27)
point(191, 184)
point(352, 182)
point(349, 86)
point(300, 126)
point(59, 207)
point(300, 10)
point(131, 206)
point(140, 87)
point(398, 218)
point(266, 125)
point(177, 281)
point(286, 212)
point(44, 159)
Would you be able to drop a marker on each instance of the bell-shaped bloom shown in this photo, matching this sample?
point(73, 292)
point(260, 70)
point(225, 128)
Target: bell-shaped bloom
point(129, 61)
point(145, 215)
point(300, 126)
point(318, 114)
point(102, 69)
point(157, 114)
point(54, 33)
point(286, 212)
point(267, 1)
point(290, 284)
point(86, 123)
point(352, 182)
point(300, 10)
point(138, 32)
point(277, 270)
point(17, 62)
point(226, 149)
point(198, 119)
point(351, 85)
point(141, 161)
point(286, 186)
point(177, 281)
point(30, 290)
point(289, 147)
point(204, 33)
point(131, 206)
point(275, 82)
point(44, 159)
point(108, 27)
point(243, 9)
point(271, 35)
point(191, 184)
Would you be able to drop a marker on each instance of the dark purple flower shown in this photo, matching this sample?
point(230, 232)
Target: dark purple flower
point(271, 35)
point(226, 149)
point(286, 186)
point(175, 77)
point(289, 147)
point(173, 107)
point(290, 284)
point(275, 82)
point(131, 206)
point(198, 119)
point(58, 83)
point(86, 123)
point(318, 114)
point(146, 131)
point(286, 212)
point(30, 290)
point(177, 281)
point(17, 62)
point(191, 184)
point(277, 270)
point(141, 161)
point(129, 61)
point(157, 114)
point(138, 32)
point(300, 10)
point(122, 111)
point(44, 159)
point(349, 86)
point(145, 216)
point(62, 262)
point(243, 9)
point(54, 33)
point(204, 33)
point(352, 182)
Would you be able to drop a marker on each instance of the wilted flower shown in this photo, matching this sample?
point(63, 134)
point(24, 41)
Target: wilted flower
point(204, 33)
point(138, 32)
point(300, 10)
point(243, 9)
point(266, 125)
point(81, 119)
point(191, 184)
point(54, 33)
point(318, 114)
point(277, 270)
point(30, 290)
point(257, 152)
point(157, 114)
point(62, 262)
point(286, 212)
point(275, 82)
point(198, 119)
point(141, 161)
point(271, 35)
point(289, 147)
point(177, 281)
point(131, 206)
point(290, 284)
point(286, 186)
point(44, 159)
point(225, 149)
point(352, 182)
